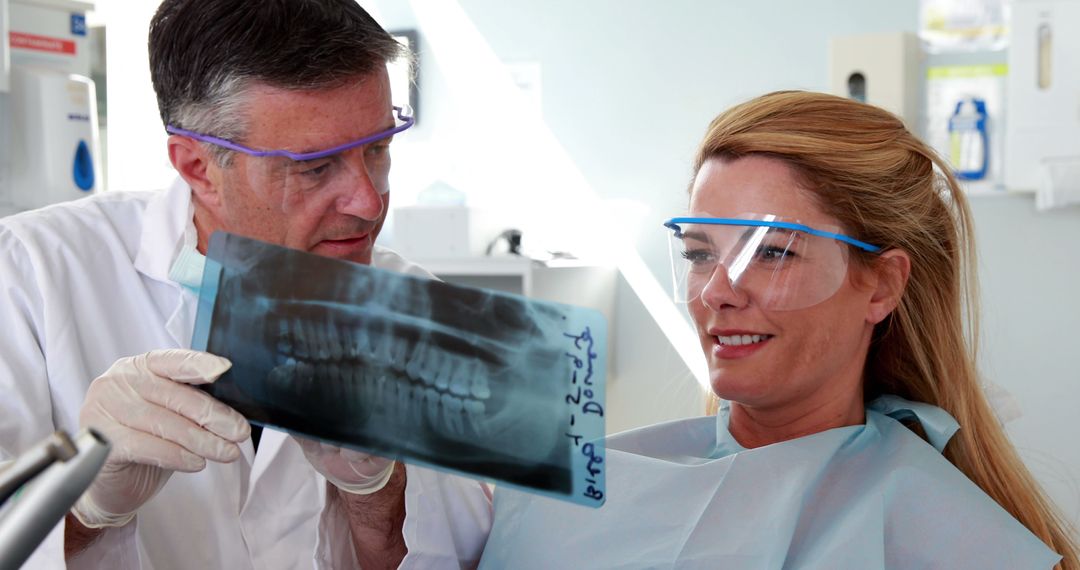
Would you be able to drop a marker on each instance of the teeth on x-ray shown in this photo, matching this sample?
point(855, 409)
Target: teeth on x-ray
point(471, 380)
point(366, 369)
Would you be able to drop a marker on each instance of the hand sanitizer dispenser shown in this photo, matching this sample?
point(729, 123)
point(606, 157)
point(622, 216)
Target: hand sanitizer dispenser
point(55, 134)
point(49, 145)
point(5, 59)
point(5, 128)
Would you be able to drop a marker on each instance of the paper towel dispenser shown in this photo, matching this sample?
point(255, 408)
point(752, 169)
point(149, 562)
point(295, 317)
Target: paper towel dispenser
point(1043, 91)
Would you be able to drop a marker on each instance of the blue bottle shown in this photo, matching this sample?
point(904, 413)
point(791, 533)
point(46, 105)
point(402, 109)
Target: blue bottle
point(969, 147)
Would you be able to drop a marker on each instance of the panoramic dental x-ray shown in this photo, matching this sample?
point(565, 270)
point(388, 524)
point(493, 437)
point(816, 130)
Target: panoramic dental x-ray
point(484, 383)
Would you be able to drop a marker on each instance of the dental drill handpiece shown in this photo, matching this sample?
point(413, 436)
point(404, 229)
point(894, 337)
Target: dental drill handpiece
point(55, 473)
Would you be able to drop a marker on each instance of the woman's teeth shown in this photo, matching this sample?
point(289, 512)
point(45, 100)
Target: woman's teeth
point(739, 340)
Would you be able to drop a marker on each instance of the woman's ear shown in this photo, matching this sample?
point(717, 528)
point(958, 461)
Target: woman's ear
point(892, 269)
point(198, 168)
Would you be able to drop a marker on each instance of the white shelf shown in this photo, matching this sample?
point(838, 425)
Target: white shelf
point(502, 265)
point(511, 274)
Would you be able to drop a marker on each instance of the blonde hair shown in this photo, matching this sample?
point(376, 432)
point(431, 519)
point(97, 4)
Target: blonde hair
point(874, 176)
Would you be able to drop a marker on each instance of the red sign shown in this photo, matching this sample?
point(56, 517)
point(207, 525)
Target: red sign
point(20, 40)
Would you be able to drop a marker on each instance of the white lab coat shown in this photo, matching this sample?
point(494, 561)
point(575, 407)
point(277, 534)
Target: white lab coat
point(85, 283)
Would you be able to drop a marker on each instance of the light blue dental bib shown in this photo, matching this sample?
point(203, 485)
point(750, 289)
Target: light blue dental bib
point(684, 494)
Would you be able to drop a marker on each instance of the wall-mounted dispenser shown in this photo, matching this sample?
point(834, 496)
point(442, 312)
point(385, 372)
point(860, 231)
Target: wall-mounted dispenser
point(49, 151)
point(880, 69)
point(5, 58)
point(5, 86)
point(54, 157)
point(1043, 91)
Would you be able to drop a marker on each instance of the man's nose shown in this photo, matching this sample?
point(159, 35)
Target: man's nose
point(360, 194)
point(719, 292)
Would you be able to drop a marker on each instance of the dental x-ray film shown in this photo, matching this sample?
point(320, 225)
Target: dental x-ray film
point(484, 383)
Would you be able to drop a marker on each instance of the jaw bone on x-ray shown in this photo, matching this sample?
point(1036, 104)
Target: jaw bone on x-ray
point(480, 382)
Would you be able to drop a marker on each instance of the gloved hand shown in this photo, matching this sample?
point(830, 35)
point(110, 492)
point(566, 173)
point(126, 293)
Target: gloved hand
point(351, 471)
point(157, 424)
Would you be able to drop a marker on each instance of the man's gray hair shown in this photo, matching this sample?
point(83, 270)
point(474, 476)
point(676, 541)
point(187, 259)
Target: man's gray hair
point(206, 54)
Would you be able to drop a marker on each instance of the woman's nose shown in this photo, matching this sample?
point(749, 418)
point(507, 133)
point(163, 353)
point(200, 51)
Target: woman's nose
point(719, 292)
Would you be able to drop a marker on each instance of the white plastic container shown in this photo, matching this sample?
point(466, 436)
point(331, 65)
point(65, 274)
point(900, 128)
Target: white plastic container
point(48, 99)
point(1043, 97)
point(54, 137)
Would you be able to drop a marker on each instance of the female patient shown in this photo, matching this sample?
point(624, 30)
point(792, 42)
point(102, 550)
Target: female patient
point(826, 264)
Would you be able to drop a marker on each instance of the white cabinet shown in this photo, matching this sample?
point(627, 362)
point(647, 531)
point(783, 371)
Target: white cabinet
point(511, 274)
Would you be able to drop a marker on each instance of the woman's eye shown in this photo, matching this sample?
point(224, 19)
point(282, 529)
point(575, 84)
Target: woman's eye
point(773, 253)
point(697, 256)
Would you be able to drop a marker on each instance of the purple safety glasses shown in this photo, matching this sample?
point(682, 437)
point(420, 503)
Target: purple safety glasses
point(404, 121)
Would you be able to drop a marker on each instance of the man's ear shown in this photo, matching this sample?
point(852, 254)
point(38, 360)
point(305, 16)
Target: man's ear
point(197, 167)
point(892, 269)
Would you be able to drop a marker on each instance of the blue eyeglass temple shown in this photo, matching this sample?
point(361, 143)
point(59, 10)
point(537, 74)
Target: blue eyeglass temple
point(401, 115)
point(673, 224)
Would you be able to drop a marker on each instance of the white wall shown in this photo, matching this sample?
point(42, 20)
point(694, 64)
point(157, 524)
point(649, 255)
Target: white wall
point(627, 89)
point(1029, 272)
point(137, 159)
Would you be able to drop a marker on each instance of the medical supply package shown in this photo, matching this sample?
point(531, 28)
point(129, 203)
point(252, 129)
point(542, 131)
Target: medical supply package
point(483, 383)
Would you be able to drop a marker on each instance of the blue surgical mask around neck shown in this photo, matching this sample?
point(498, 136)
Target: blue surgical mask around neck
point(188, 268)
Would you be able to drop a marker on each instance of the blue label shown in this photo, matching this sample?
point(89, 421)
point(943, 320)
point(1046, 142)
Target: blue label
point(78, 25)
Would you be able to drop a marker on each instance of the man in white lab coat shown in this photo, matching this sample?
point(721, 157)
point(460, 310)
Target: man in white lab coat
point(281, 119)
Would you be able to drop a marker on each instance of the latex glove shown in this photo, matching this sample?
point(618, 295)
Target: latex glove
point(157, 424)
point(351, 471)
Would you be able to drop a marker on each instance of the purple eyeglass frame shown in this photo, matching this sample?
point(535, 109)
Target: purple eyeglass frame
point(403, 114)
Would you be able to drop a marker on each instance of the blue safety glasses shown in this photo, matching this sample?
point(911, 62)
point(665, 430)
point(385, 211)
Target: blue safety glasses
point(776, 263)
point(674, 225)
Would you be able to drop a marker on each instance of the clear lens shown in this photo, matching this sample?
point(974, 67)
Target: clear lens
point(303, 178)
point(358, 173)
point(772, 266)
